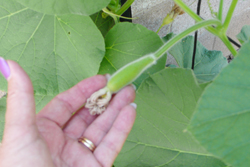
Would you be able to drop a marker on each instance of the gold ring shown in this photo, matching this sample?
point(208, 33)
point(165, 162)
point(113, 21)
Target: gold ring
point(89, 144)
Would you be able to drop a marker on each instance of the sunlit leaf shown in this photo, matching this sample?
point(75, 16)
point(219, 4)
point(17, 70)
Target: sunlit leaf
point(80, 7)
point(55, 51)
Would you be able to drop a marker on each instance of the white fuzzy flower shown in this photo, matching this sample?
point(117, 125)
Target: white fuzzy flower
point(98, 101)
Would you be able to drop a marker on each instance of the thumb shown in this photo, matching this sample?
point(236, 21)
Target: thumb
point(20, 113)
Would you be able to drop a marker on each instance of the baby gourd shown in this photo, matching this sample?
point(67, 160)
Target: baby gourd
point(98, 101)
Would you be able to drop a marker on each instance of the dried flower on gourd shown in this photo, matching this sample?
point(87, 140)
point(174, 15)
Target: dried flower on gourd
point(98, 101)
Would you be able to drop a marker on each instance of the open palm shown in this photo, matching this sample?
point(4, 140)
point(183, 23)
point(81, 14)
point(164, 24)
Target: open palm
point(50, 137)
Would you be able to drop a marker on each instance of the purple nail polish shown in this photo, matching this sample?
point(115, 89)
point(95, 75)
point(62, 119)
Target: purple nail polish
point(4, 68)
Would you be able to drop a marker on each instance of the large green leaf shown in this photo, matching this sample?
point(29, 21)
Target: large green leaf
point(208, 63)
point(221, 121)
point(2, 116)
point(55, 51)
point(244, 35)
point(59, 7)
point(166, 101)
point(126, 42)
point(103, 24)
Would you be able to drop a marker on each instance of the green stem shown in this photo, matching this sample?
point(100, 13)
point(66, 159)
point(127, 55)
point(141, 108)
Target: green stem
point(219, 31)
point(194, 15)
point(220, 12)
point(188, 10)
point(228, 44)
point(229, 15)
point(114, 16)
point(159, 29)
point(125, 7)
point(178, 37)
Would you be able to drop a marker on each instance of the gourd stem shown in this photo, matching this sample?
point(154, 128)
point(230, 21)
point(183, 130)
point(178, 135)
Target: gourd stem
point(159, 29)
point(178, 37)
point(194, 15)
point(124, 7)
point(228, 44)
point(220, 12)
point(229, 15)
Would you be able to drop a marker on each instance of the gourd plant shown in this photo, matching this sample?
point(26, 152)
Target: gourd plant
point(184, 116)
point(132, 71)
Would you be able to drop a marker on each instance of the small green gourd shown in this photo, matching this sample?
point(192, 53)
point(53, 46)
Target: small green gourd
point(130, 72)
point(98, 101)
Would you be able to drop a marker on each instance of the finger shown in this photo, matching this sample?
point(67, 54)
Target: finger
point(112, 143)
point(78, 123)
point(99, 128)
point(76, 154)
point(20, 100)
point(20, 113)
point(61, 108)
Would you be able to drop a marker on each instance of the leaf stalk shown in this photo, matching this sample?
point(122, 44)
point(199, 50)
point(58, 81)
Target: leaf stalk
point(125, 7)
point(229, 14)
point(191, 13)
point(178, 37)
point(228, 44)
point(220, 30)
point(220, 12)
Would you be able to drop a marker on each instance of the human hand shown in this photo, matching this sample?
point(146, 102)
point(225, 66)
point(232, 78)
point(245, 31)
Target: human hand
point(50, 137)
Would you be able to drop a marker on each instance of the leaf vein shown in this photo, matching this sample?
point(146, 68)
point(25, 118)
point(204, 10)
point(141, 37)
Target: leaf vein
point(31, 37)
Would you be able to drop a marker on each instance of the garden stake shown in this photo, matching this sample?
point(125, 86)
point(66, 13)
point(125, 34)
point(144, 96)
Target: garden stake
point(196, 35)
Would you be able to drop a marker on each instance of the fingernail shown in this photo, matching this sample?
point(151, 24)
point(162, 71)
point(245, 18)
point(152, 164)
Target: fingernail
point(133, 86)
point(133, 105)
point(108, 76)
point(4, 68)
